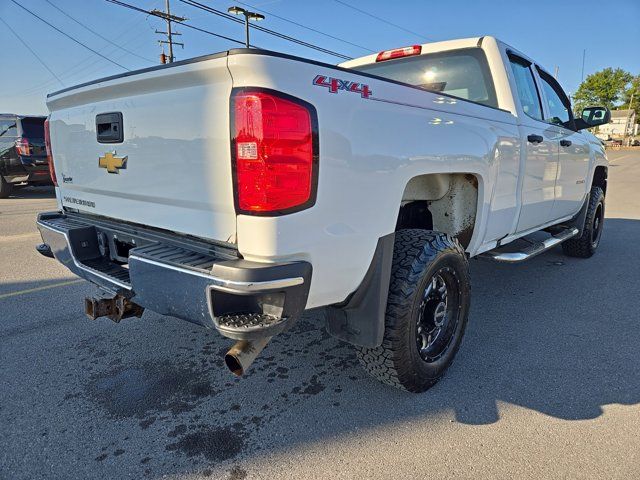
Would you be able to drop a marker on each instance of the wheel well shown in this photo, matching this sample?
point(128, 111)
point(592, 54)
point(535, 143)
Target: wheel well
point(600, 178)
point(415, 214)
point(443, 202)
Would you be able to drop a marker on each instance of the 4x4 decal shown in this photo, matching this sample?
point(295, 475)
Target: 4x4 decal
point(335, 84)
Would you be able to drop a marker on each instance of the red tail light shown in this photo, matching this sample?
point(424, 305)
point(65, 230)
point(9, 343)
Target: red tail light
point(22, 147)
point(47, 143)
point(399, 53)
point(274, 152)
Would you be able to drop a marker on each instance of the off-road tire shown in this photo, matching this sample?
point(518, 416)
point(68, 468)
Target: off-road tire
point(418, 255)
point(5, 188)
point(585, 245)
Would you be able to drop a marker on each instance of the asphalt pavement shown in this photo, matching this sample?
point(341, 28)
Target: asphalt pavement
point(546, 384)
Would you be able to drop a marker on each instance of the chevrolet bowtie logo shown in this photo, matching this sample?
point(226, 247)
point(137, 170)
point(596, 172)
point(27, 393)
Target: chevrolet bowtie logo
point(112, 163)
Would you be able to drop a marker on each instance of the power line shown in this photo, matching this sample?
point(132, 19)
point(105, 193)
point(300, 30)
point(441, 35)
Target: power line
point(224, 15)
point(148, 12)
point(86, 67)
point(32, 51)
point(68, 36)
point(96, 33)
point(219, 13)
point(240, 42)
point(265, 30)
point(306, 27)
point(82, 70)
point(381, 19)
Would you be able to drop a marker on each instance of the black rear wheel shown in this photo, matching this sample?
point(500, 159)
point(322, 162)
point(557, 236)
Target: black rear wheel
point(5, 188)
point(427, 311)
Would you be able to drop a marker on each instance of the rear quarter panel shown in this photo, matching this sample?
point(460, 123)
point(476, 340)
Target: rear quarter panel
point(369, 149)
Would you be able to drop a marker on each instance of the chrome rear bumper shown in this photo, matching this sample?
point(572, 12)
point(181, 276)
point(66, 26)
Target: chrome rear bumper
point(174, 275)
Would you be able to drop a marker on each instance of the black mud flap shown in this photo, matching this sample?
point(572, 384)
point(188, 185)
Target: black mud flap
point(360, 319)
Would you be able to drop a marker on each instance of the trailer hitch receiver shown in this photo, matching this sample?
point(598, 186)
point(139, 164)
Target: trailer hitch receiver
point(116, 308)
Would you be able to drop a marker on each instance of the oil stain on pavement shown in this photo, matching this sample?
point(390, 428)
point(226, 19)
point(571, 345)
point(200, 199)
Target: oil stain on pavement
point(205, 416)
point(135, 391)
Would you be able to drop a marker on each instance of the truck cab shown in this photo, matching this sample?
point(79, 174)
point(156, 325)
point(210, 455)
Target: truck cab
point(544, 178)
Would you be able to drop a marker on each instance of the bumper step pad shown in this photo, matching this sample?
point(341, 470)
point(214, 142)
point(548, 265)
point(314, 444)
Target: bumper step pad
point(251, 326)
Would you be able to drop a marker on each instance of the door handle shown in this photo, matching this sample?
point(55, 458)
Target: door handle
point(565, 143)
point(535, 138)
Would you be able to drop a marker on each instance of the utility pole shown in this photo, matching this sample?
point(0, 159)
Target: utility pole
point(169, 33)
point(584, 54)
point(628, 119)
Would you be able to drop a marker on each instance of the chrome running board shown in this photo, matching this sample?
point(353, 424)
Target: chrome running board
point(533, 249)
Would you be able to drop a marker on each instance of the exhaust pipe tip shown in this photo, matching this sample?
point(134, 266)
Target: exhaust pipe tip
point(240, 357)
point(233, 364)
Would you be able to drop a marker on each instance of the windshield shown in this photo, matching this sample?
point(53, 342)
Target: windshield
point(462, 73)
point(8, 128)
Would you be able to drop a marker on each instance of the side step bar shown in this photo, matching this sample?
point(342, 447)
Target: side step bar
point(532, 250)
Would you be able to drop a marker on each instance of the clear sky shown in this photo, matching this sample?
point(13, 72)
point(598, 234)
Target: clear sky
point(554, 32)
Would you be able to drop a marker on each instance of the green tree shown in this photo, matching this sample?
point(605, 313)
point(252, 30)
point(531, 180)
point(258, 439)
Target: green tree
point(606, 88)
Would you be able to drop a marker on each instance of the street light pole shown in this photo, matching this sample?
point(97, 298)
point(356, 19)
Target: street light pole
point(247, 17)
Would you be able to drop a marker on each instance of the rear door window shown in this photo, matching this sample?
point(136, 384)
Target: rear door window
point(32, 127)
point(461, 73)
point(526, 87)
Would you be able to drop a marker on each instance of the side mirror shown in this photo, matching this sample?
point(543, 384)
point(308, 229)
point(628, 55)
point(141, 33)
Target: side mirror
point(592, 117)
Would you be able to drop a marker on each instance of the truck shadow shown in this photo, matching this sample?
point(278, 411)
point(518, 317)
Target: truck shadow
point(557, 335)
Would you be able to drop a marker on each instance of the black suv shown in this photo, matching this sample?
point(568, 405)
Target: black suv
point(23, 156)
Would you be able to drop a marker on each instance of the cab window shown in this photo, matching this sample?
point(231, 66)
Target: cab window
point(526, 87)
point(462, 73)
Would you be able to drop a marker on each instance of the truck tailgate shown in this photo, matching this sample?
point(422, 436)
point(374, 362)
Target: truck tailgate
point(172, 169)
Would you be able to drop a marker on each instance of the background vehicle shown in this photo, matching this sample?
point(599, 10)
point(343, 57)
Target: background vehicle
point(614, 142)
point(239, 189)
point(23, 158)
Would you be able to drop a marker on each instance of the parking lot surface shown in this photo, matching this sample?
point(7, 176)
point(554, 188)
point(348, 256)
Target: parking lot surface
point(546, 384)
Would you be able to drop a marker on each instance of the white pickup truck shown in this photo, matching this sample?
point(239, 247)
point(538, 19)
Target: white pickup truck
point(239, 189)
